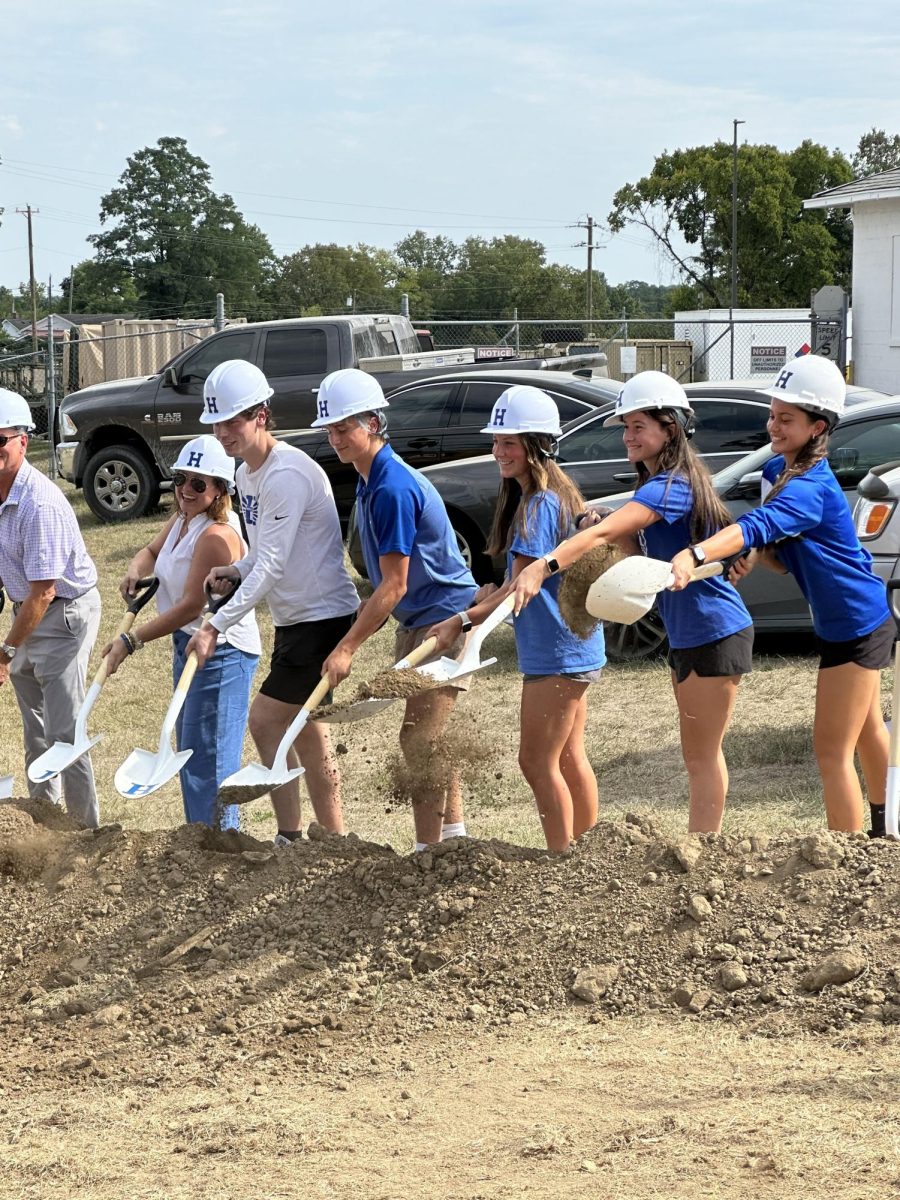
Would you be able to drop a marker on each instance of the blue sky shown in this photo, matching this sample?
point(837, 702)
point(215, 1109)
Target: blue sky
point(360, 122)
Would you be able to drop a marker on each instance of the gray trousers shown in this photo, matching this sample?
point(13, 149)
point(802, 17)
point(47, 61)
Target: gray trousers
point(48, 675)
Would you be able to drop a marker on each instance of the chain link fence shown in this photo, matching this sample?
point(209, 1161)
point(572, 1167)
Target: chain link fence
point(689, 350)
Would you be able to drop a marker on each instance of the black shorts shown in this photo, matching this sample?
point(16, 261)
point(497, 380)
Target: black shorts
point(732, 655)
point(873, 651)
point(297, 657)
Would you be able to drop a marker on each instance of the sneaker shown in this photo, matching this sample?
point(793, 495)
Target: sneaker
point(280, 842)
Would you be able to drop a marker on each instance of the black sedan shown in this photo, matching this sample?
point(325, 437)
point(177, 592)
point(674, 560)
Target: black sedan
point(440, 419)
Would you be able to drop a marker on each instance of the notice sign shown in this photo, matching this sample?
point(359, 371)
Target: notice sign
point(766, 360)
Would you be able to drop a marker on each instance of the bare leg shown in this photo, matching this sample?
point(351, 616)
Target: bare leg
point(844, 701)
point(579, 775)
point(872, 747)
point(439, 798)
point(705, 705)
point(549, 714)
point(269, 718)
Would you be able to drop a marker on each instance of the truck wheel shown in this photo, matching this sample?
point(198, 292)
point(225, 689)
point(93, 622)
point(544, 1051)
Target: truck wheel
point(119, 484)
point(645, 638)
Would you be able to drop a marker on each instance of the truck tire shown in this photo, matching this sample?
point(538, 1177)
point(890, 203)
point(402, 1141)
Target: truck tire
point(644, 639)
point(119, 484)
point(471, 547)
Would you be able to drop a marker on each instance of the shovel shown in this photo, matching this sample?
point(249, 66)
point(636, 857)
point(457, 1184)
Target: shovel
point(255, 780)
point(892, 793)
point(143, 772)
point(62, 754)
point(445, 670)
point(6, 786)
point(627, 591)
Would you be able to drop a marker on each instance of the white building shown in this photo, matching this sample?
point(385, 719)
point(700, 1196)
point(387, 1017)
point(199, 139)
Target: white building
point(875, 205)
point(764, 340)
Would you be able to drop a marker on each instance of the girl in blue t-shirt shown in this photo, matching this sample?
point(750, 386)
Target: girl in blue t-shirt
point(537, 506)
point(710, 631)
point(804, 526)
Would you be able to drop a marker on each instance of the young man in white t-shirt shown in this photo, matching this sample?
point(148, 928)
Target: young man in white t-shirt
point(295, 563)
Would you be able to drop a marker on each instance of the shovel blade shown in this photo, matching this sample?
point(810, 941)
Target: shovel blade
point(254, 781)
point(628, 589)
point(6, 786)
point(142, 772)
point(445, 670)
point(59, 756)
point(360, 711)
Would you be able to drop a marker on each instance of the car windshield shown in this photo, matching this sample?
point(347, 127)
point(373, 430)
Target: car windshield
point(728, 477)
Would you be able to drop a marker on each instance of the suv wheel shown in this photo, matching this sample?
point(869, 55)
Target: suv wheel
point(471, 547)
point(119, 484)
point(646, 637)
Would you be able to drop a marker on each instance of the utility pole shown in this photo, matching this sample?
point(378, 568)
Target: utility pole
point(588, 224)
point(29, 212)
point(734, 152)
point(71, 286)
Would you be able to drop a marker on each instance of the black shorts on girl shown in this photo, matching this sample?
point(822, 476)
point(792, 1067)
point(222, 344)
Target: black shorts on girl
point(732, 655)
point(297, 657)
point(872, 651)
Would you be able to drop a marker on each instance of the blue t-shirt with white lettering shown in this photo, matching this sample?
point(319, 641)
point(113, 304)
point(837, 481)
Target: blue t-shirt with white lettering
point(833, 571)
point(400, 512)
point(706, 610)
point(544, 642)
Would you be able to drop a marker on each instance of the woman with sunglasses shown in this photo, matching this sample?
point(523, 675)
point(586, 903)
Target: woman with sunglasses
point(202, 534)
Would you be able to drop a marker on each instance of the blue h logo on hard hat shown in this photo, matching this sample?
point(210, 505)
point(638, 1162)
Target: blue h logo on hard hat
point(782, 380)
point(499, 416)
point(195, 458)
point(323, 409)
point(211, 405)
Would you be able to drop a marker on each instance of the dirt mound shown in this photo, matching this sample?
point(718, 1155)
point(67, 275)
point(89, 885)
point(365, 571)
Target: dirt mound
point(197, 946)
point(14, 821)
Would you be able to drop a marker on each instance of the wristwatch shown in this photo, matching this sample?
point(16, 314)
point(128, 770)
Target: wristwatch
point(553, 566)
point(8, 650)
point(466, 621)
point(699, 555)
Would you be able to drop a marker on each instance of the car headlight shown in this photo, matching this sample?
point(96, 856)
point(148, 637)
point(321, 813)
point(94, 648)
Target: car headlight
point(67, 425)
point(871, 517)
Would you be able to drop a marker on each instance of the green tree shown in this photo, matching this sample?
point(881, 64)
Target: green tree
point(494, 277)
point(181, 241)
point(782, 251)
point(100, 286)
point(876, 152)
point(336, 279)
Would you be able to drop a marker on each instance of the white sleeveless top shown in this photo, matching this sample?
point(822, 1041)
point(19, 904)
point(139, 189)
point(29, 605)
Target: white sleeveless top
point(172, 567)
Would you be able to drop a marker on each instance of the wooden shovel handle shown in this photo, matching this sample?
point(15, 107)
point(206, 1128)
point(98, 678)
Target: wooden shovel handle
point(707, 571)
point(323, 687)
point(420, 653)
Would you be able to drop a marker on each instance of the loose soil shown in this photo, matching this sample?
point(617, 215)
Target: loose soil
point(576, 583)
point(251, 986)
point(386, 685)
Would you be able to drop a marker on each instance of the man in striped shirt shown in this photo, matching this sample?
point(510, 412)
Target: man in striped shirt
point(52, 582)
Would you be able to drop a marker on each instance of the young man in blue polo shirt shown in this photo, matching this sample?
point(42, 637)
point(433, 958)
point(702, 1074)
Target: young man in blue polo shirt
point(420, 578)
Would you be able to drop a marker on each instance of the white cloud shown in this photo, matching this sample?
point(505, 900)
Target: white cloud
point(11, 124)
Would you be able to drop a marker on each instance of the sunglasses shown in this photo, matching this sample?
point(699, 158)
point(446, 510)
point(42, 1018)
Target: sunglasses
point(8, 437)
point(197, 485)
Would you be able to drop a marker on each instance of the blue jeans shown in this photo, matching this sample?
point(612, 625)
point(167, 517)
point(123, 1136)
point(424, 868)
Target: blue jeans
point(212, 724)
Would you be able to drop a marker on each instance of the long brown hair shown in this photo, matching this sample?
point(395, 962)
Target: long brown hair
point(807, 456)
point(678, 457)
point(511, 513)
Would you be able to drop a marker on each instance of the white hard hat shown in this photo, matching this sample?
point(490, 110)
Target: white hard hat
point(524, 409)
point(346, 393)
point(231, 388)
point(14, 411)
point(650, 390)
point(206, 456)
point(813, 383)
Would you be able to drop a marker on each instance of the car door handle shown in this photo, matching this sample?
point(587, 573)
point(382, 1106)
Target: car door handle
point(626, 477)
point(422, 443)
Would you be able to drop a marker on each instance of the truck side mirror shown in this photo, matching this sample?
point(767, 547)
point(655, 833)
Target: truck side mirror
point(170, 378)
point(747, 487)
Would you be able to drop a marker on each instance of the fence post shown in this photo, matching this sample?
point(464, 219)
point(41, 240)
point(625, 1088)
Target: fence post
point(51, 396)
point(220, 312)
point(516, 319)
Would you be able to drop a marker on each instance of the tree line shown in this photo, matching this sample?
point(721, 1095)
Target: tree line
point(169, 242)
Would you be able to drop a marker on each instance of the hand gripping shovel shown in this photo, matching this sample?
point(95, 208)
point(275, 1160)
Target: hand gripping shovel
point(627, 591)
point(444, 670)
point(892, 793)
point(62, 754)
point(255, 780)
point(142, 772)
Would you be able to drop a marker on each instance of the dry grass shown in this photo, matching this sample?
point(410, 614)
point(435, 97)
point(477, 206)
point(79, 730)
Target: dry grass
point(632, 733)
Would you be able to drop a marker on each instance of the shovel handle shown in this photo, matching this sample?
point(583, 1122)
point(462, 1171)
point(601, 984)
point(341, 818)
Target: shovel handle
point(707, 571)
point(321, 690)
point(418, 655)
point(146, 590)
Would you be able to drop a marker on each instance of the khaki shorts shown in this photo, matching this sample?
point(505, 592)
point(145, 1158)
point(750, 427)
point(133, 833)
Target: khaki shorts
point(406, 640)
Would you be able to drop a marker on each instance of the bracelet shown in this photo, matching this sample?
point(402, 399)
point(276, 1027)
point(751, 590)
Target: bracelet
point(129, 645)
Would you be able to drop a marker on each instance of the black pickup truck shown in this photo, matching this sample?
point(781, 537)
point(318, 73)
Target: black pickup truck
point(120, 439)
